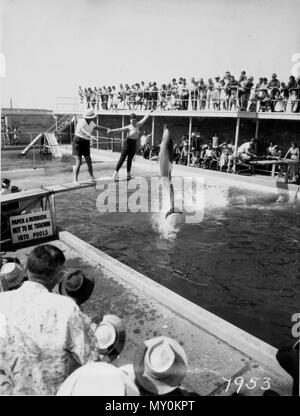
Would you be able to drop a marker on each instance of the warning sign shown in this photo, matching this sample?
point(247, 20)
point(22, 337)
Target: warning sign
point(28, 227)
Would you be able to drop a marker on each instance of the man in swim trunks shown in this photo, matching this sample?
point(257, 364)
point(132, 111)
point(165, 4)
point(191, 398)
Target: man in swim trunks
point(81, 142)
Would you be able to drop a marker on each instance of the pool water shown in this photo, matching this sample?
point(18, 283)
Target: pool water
point(240, 262)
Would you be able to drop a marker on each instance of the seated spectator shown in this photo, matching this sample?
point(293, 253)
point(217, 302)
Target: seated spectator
point(77, 286)
point(246, 151)
point(271, 150)
point(98, 379)
point(176, 153)
point(47, 335)
point(12, 275)
point(159, 365)
point(146, 152)
point(224, 158)
point(194, 158)
point(6, 189)
point(144, 141)
point(154, 152)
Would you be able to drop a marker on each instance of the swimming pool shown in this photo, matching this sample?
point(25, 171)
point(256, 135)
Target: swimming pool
point(240, 262)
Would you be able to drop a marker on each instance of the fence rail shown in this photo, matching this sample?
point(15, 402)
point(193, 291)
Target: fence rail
point(214, 100)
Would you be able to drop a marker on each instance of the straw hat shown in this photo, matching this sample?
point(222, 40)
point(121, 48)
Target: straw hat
point(90, 114)
point(111, 336)
point(98, 379)
point(13, 273)
point(160, 365)
point(77, 286)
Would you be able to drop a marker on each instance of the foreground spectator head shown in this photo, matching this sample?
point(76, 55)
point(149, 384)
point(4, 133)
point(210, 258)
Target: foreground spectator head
point(77, 286)
point(160, 365)
point(5, 183)
point(44, 265)
point(98, 379)
point(12, 275)
point(111, 337)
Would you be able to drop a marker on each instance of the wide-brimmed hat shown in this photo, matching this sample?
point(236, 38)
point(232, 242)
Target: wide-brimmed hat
point(13, 273)
point(90, 114)
point(111, 336)
point(77, 285)
point(160, 365)
point(98, 379)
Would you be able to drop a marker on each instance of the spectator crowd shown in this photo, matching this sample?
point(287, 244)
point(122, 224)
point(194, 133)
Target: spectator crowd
point(225, 93)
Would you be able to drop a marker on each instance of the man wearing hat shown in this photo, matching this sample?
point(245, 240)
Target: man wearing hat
point(81, 142)
point(48, 335)
point(159, 366)
point(12, 276)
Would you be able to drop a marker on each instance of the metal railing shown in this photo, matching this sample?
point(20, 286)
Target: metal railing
point(214, 101)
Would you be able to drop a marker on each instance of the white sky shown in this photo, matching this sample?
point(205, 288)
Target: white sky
point(52, 46)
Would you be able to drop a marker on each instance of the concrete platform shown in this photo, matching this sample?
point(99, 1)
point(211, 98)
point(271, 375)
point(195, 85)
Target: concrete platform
point(215, 348)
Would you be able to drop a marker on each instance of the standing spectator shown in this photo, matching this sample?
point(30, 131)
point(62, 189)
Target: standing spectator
point(215, 141)
point(293, 89)
point(93, 98)
point(81, 94)
point(232, 89)
point(44, 335)
point(115, 99)
point(88, 97)
point(10, 136)
point(202, 94)
point(245, 97)
point(273, 88)
point(194, 93)
point(210, 88)
point(122, 96)
point(216, 94)
point(15, 136)
point(223, 101)
point(154, 96)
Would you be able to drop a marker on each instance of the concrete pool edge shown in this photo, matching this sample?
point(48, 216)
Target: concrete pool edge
point(242, 341)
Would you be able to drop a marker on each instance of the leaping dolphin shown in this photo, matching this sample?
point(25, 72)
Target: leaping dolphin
point(165, 162)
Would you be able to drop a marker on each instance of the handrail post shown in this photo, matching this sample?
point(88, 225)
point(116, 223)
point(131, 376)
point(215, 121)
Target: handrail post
point(122, 131)
point(237, 132)
point(190, 136)
point(153, 129)
point(256, 128)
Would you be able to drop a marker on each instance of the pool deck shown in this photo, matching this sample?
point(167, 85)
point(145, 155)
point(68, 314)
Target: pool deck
point(213, 178)
point(215, 348)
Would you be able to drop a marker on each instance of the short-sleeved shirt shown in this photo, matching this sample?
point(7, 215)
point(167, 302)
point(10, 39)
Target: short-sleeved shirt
point(244, 148)
point(83, 127)
point(44, 337)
